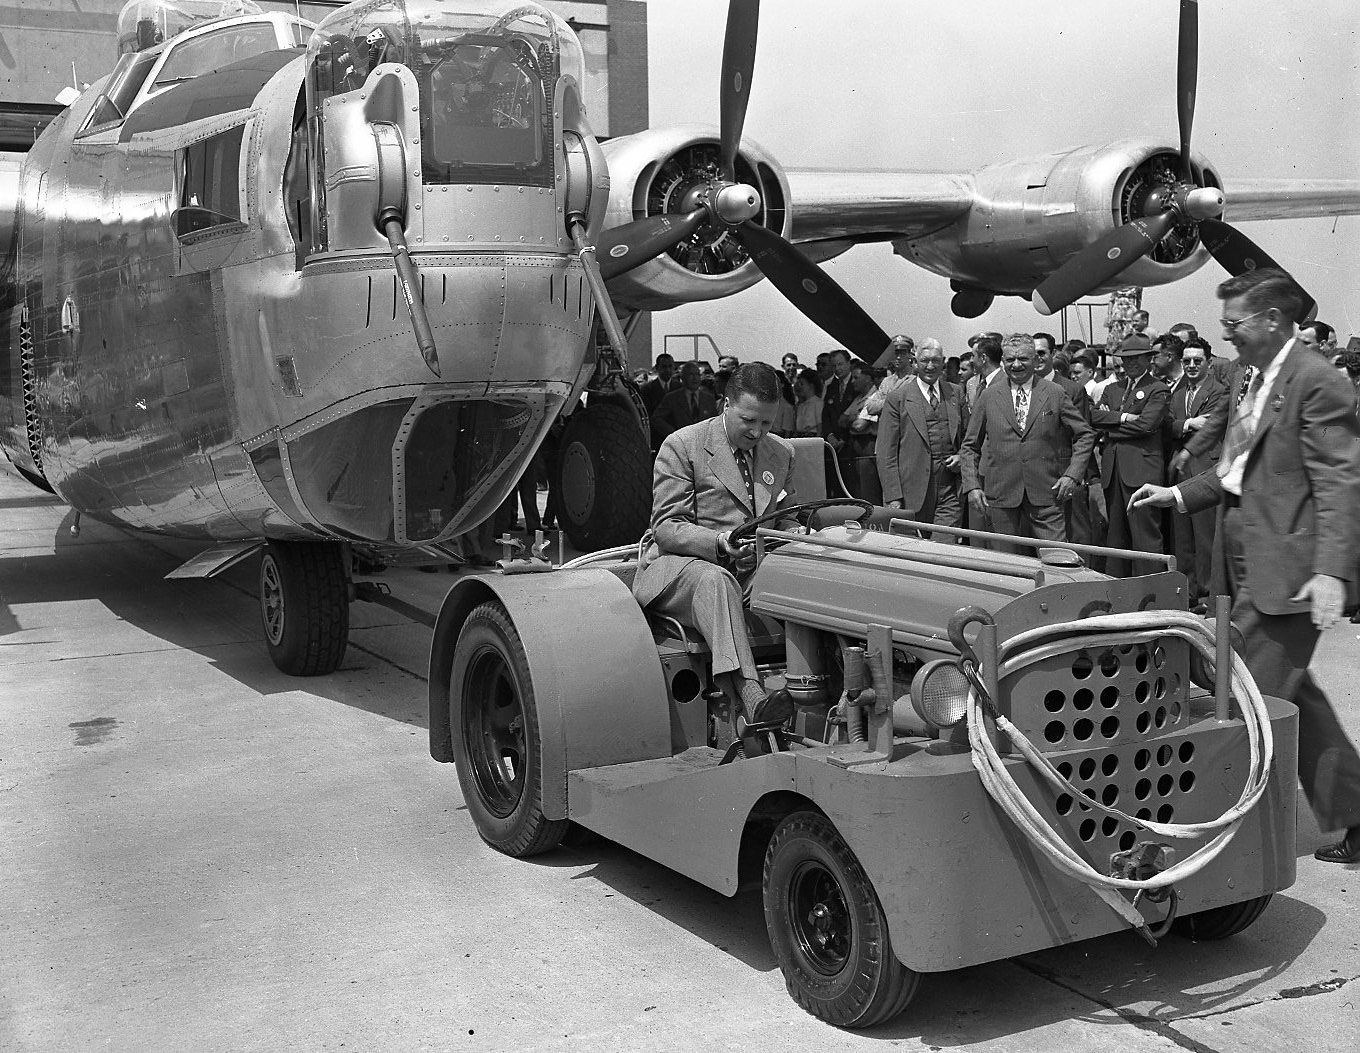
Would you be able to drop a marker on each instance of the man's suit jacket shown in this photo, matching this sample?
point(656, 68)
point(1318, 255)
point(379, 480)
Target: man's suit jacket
point(674, 413)
point(1300, 489)
point(653, 392)
point(1024, 465)
point(698, 492)
point(1134, 450)
point(1206, 442)
point(1210, 397)
point(836, 399)
point(903, 446)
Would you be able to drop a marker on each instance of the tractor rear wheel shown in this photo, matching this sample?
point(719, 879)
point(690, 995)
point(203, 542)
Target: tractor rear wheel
point(497, 744)
point(827, 928)
point(603, 488)
point(304, 605)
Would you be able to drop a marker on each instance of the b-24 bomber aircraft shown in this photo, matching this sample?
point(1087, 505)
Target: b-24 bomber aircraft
point(323, 290)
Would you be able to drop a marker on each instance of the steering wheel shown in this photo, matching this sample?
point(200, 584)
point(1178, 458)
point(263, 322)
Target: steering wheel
point(747, 530)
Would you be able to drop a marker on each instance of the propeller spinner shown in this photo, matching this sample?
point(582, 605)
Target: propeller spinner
point(1186, 201)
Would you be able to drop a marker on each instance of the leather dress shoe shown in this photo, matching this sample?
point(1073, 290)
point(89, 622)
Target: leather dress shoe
point(774, 708)
point(1347, 850)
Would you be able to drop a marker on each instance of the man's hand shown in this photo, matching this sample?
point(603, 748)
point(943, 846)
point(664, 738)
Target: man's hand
point(952, 462)
point(1328, 596)
point(1179, 462)
point(743, 556)
point(895, 504)
point(978, 500)
point(1154, 495)
point(1127, 418)
point(1194, 423)
point(1063, 488)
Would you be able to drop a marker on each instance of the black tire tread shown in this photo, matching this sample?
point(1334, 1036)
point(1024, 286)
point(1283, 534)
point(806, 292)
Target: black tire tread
point(536, 833)
point(313, 573)
point(898, 983)
point(1218, 923)
point(623, 507)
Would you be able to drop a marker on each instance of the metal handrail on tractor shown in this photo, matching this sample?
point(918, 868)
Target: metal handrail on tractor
point(1034, 543)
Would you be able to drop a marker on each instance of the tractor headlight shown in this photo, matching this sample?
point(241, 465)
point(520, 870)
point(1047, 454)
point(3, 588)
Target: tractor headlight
point(939, 693)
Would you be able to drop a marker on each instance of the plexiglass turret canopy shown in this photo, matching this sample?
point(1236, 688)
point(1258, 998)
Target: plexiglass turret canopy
point(486, 69)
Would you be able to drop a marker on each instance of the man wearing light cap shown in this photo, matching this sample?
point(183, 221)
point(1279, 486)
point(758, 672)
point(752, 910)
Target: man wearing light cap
point(1130, 416)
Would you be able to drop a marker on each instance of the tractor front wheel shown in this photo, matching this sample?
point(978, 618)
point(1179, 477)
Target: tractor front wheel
point(827, 928)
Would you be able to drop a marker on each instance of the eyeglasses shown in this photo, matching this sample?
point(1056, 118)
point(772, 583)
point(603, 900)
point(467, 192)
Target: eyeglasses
point(1230, 325)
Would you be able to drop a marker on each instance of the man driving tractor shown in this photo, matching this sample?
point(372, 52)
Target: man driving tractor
point(709, 479)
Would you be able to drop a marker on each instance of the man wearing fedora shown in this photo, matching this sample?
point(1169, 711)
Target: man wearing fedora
point(1130, 417)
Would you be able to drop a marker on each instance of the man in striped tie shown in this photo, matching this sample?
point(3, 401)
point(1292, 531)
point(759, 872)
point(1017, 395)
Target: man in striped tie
point(1287, 488)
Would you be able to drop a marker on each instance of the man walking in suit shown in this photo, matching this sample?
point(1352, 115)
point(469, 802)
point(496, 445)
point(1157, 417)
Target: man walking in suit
point(1028, 442)
point(1196, 397)
point(919, 433)
point(1130, 415)
point(1287, 490)
point(709, 479)
point(687, 405)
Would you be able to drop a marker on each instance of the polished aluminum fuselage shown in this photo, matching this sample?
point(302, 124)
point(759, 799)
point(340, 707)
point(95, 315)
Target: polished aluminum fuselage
point(231, 386)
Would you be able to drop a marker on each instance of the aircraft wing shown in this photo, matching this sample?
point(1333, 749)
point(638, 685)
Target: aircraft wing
point(1251, 199)
point(875, 206)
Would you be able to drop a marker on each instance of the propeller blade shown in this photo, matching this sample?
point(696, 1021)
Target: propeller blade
point(633, 244)
point(1236, 253)
point(1100, 261)
point(1187, 78)
point(813, 291)
point(738, 63)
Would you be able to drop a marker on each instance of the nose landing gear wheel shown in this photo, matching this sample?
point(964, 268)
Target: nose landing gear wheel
point(827, 928)
point(497, 746)
point(304, 605)
point(604, 476)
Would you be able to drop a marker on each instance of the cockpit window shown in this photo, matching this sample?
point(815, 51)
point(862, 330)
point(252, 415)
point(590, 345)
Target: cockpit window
point(198, 55)
point(486, 70)
point(482, 112)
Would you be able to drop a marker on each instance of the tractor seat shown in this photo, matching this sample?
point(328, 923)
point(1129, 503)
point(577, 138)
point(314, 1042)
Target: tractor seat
point(764, 633)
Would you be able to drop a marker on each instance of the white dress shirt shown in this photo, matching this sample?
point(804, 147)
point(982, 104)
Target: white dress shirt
point(1232, 482)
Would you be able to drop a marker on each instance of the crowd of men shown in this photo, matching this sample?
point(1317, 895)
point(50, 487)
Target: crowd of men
point(1014, 435)
point(1037, 444)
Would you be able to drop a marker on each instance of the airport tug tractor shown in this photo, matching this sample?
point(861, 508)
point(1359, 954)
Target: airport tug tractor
point(991, 753)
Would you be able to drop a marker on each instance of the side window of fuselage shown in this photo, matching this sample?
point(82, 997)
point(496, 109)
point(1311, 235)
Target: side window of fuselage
point(210, 188)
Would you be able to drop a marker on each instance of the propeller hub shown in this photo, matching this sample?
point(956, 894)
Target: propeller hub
point(1205, 202)
point(736, 203)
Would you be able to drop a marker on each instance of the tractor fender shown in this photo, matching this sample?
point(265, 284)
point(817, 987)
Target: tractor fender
point(597, 682)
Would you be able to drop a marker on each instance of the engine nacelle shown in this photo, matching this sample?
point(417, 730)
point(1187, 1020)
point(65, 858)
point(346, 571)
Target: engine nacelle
point(1030, 216)
point(658, 171)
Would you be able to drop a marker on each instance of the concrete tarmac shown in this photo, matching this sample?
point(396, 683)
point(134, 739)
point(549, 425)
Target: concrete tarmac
point(199, 853)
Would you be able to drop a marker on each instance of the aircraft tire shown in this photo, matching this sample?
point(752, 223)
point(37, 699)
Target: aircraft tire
point(304, 605)
point(1218, 923)
point(827, 928)
point(497, 743)
point(603, 489)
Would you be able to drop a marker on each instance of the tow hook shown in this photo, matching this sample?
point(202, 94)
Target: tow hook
point(1141, 862)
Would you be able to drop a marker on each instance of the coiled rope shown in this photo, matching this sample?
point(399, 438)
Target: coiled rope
point(1102, 631)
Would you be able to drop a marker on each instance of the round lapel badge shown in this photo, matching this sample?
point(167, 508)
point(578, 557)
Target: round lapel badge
point(1139, 394)
point(767, 478)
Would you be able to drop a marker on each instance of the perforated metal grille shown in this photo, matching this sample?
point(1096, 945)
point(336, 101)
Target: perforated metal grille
point(1101, 697)
point(1160, 780)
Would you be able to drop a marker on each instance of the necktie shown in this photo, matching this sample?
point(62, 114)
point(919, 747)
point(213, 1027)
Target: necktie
point(1242, 426)
point(934, 399)
point(747, 476)
point(1248, 377)
point(1021, 407)
point(1190, 397)
point(694, 406)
